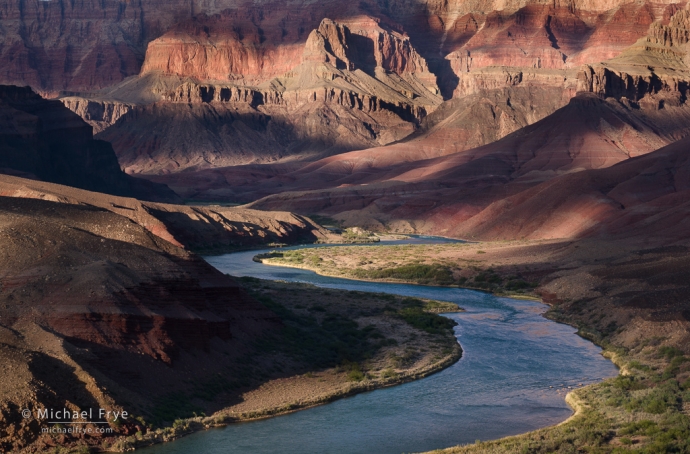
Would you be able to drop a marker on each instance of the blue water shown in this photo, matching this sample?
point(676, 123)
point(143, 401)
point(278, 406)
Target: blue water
point(511, 379)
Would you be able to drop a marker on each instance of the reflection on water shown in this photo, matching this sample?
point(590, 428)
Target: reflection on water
point(500, 387)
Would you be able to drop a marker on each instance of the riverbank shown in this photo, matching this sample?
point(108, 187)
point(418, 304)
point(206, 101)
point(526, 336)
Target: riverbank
point(444, 265)
point(645, 409)
point(388, 340)
point(602, 288)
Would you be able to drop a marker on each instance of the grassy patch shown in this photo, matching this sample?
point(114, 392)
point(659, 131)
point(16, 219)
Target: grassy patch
point(419, 264)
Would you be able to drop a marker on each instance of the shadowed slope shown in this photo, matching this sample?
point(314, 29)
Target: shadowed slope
point(43, 139)
point(440, 195)
point(645, 198)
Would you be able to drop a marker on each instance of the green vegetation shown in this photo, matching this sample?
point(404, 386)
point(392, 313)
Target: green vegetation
point(439, 307)
point(354, 372)
point(405, 263)
point(325, 337)
point(172, 407)
point(320, 344)
point(356, 235)
point(431, 323)
point(641, 412)
point(423, 274)
point(320, 329)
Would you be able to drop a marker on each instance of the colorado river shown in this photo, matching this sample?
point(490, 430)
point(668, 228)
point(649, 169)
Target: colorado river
point(512, 378)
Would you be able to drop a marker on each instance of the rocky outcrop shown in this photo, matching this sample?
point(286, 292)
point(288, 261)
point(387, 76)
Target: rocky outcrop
point(148, 139)
point(221, 48)
point(194, 93)
point(365, 45)
point(493, 78)
point(539, 36)
point(653, 73)
point(56, 45)
point(45, 140)
point(83, 46)
point(340, 56)
point(99, 114)
point(674, 34)
point(643, 88)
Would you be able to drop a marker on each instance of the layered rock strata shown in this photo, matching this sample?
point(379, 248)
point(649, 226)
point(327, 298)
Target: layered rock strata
point(100, 115)
point(357, 86)
point(199, 228)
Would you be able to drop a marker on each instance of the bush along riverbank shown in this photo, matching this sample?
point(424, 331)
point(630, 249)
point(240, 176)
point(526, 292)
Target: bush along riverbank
point(332, 344)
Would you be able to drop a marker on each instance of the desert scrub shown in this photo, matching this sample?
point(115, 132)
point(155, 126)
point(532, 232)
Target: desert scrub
point(172, 407)
point(325, 333)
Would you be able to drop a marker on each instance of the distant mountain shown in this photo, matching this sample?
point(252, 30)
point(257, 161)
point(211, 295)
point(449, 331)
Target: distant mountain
point(470, 193)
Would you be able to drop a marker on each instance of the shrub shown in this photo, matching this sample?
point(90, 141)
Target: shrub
point(355, 375)
point(388, 373)
point(686, 384)
point(673, 367)
point(639, 366)
point(628, 383)
point(670, 352)
point(355, 372)
point(643, 427)
point(431, 323)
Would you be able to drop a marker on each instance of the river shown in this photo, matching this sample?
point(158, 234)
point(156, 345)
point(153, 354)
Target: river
point(515, 370)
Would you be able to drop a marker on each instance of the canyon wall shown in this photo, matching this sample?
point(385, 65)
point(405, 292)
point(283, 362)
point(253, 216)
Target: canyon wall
point(43, 139)
point(356, 86)
point(61, 45)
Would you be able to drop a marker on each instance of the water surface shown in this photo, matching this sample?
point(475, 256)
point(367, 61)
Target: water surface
point(512, 378)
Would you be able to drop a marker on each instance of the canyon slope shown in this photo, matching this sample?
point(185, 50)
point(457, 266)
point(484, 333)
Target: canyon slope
point(412, 116)
point(627, 106)
point(104, 306)
point(353, 85)
point(441, 195)
point(209, 228)
point(562, 126)
point(97, 312)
